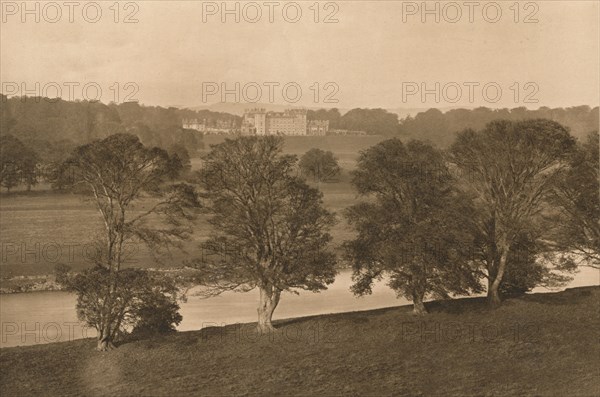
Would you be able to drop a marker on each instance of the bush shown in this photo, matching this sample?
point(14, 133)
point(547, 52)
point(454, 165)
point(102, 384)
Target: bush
point(528, 267)
point(119, 302)
point(157, 314)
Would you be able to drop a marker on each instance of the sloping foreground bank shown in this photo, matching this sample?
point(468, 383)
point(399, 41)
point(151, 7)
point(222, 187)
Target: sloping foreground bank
point(540, 344)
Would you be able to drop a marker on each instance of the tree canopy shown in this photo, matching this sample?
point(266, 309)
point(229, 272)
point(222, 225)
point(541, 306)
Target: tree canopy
point(320, 165)
point(414, 229)
point(270, 228)
point(511, 167)
point(577, 197)
point(17, 162)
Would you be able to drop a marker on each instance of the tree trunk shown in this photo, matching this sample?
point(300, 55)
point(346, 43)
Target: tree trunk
point(104, 345)
point(104, 340)
point(418, 305)
point(491, 278)
point(493, 290)
point(269, 298)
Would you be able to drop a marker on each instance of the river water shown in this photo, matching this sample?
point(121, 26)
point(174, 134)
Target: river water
point(46, 317)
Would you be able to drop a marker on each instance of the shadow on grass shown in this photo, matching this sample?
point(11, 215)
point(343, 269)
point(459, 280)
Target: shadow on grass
point(479, 305)
point(450, 306)
point(147, 339)
point(459, 306)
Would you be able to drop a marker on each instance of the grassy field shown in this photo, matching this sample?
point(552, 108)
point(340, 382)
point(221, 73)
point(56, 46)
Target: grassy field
point(345, 147)
point(42, 228)
point(536, 345)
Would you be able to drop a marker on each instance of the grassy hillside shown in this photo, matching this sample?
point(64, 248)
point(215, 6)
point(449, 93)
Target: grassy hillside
point(536, 345)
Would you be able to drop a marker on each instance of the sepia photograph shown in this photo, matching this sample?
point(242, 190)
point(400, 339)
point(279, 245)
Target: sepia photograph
point(300, 198)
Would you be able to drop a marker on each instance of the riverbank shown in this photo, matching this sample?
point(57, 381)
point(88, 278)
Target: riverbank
point(538, 344)
point(47, 282)
point(23, 284)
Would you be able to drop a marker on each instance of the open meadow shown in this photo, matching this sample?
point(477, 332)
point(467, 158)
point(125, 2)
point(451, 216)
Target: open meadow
point(43, 228)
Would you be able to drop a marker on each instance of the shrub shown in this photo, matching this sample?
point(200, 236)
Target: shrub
point(117, 302)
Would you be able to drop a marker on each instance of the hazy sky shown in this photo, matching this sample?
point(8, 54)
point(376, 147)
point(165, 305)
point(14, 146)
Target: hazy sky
point(372, 57)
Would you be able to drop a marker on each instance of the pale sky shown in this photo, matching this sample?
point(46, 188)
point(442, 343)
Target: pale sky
point(370, 54)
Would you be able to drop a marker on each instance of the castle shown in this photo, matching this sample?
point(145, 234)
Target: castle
point(258, 121)
point(289, 122)
point(193, 124)
point(216, 127)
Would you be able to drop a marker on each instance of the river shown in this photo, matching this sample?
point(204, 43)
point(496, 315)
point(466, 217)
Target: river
point(46, 317)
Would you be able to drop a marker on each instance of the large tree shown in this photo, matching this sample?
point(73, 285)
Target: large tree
point(117, 172)
point(511, 167)
point(412, 229)
point(270, 228)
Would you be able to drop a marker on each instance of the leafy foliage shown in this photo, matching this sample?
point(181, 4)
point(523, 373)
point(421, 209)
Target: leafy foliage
point(321, 165)
point(17, 163)
point(577, 197)
point(530, 264)
point(411, 230)
point(127, 300)
point(116, 172)
point(442, 128)
point(270, 227)
point(510, 168)
point(372, 121)
point(49, 120)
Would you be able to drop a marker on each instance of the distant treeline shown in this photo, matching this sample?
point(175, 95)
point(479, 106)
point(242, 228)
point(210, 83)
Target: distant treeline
point(42, 122)
point(38, 133)
point(371, 121)
point(441, 128)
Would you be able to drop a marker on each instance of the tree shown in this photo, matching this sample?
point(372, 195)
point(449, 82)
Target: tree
point(142, 302)
point(9, 175)
point(331, 115)
point(51, 154)
point(116, 172)
point(182, 154)
point(576, 195)
point(412, 228)
point(18, 163)
point(511, 167)
point(530, 262)
point(28, 166)
point(270, 228)
point(372, 121)
point(319, 164)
